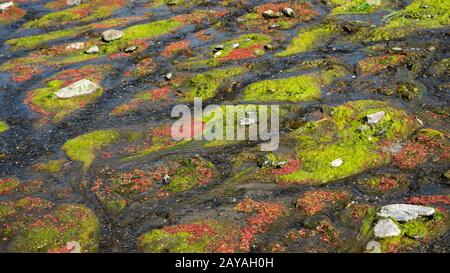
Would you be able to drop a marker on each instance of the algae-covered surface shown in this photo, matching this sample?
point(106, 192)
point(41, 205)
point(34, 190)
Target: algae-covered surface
point(102, 172)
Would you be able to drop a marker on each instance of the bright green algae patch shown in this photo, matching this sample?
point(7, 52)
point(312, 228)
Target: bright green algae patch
point(44, 101)
point(345, 135)
point(205, 85)
point(308, 39)
point(299, 88)
point(420, 14)
point(355, 6)
point(3, 126)
point(36, 225)
point(83, 148)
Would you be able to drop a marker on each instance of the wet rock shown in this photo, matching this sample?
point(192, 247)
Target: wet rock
point(79, 88)
point(271, 14)
point(447, 174)
point(235, 45)
point(76, 46)
point(93, 50)
point(166, 179)
point(288, 12)
point(405, 212)
point(5, 6)
point(111, 35)
point(386, 228)
point(375, 118)
point(373, 247)
point(337, 163)
point(130, 49)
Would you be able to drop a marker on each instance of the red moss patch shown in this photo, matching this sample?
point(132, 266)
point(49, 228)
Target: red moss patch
point(314, 202)
point(21, 73)
point(267, 213)
point(243, 53)
point(378, 63)
point(429, 200)
point(12, 14)
point(8, 184)
point(176, 48)
point(291, 166)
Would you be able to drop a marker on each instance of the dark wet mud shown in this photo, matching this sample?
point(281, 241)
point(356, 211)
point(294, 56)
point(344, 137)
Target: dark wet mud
point(101, 172)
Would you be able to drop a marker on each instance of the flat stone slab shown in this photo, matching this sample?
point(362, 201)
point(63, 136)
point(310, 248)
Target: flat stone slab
point(375, 117)
point(79, 88)
point(111, 35)
point(405, 212)
point(386, 228)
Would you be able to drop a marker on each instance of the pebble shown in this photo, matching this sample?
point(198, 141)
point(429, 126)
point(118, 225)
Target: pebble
point(169, 76)
point(5, 6)
point(235, 45)
point(79, 88)
point(73, 2)
point(217, 54)
point(74, 247)
point(337, 163)
point(373, 247)
point(386, 228)
point(93, 50)
point(375, 117)
point(405, 212)
point(166, 179)
point(374, 2)
point(111, 35)
point(288, 12)
point(130, 49)
point(271, 14)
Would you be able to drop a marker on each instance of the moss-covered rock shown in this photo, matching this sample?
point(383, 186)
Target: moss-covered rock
point(198, 237)
point(36, 225)
point(3, 126)
point(84, 147)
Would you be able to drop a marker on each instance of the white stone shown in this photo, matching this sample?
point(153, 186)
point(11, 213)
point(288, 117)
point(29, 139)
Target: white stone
point(93, 50)
point(235, 45)
point(375, 117)
point(373, 247)
point(5, 6)
point(73, 2)
point(386, 228)
point(247, 121)
point(337, 163)
point(405, 212)
point(74, 247)
point(168, 76)
point(288, 12)
point(75, 46)
point(112, 34)
point(217, 54)
point(79, 88)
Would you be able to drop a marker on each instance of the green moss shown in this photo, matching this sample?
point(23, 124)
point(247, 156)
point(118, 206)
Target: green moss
point(354, 6)
point(83, 148)
point(308, 39)
point(419, 14)
point(69, 223)
point(244, 41)
point(59, 17)
point(367, 223)
point(46, 100)
point(113, 205)
point(347, 137)
point(299, 88)
point(36, 40)
point(3, 126)
point(8, 184)
point(205, 85)
point(159, 241)
point(52, 166)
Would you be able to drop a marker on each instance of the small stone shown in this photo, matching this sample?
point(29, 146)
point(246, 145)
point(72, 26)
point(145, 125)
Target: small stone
point(274, 26)
point(431, 48)
point(235, 45)
point(93, 50)
point(130, 49)
point(166, 179)
point(405, 212)
point(337, 163)
point(73, 2)
point(217, 54)
point(247, 121)
point(79, 88)
point(219, 47)
point(268, 47)
point(75, 46)
point(397, 49)
point(73, 247)
point(5, 6)
point(373, 247)
point(271, 14)
point(288, 12)
point(386, 228)
point(111, 35)
point(169, 76)
point(375, 118)
point(265, 161)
